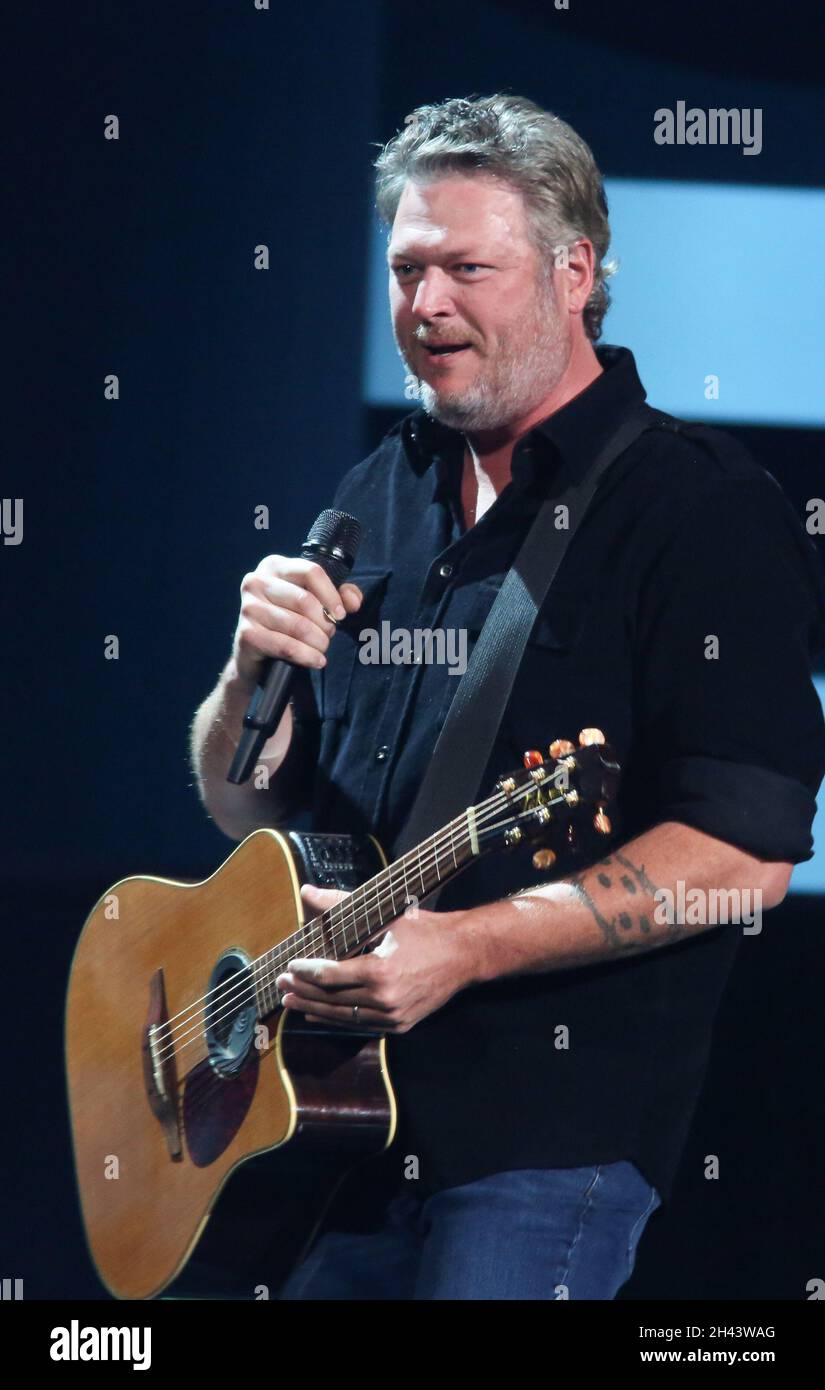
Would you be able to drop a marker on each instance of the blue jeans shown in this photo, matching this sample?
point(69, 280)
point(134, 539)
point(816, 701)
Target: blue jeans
point(533, 1233)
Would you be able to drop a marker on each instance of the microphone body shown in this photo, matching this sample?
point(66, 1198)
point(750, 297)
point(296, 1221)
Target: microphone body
point(333, 544)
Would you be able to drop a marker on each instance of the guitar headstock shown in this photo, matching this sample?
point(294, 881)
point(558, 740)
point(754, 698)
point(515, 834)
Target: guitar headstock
point(550, 797)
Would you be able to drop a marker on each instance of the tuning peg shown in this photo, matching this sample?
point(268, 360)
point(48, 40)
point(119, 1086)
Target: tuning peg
point(533, 758)
point(544, 859)
point(602, 821)
point(560, 747)
point(588, 736)
point(571, 843)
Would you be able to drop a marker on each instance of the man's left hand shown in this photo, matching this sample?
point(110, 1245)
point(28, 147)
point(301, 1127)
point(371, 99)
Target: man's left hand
point(418, 965)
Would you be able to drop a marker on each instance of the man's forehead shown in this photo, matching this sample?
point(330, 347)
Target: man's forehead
point(456, 215)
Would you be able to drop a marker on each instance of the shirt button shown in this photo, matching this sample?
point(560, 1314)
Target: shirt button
point(381, 753)
point(445, 571)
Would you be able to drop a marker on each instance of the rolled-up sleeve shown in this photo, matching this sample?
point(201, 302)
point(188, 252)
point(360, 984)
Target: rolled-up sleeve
point(730, 616)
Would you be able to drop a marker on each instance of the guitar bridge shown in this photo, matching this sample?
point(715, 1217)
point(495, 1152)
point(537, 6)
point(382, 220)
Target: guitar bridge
point(159, 1070)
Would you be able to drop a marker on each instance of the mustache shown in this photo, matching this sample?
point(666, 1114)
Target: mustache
point(431, 341)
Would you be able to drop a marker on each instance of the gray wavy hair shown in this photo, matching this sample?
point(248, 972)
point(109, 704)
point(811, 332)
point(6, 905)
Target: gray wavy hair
point(532, 150)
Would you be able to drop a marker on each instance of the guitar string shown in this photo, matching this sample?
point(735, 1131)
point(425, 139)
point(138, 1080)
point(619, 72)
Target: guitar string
point(340, 915)
point(339, 918)
point(198, 1087)
point(253, 978)
point(252, 981)
point(343, 909)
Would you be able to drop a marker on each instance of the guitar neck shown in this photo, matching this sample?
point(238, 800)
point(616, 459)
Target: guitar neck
point(402, 884)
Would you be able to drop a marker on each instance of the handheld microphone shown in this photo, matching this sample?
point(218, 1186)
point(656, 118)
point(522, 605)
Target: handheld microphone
point(333, 544)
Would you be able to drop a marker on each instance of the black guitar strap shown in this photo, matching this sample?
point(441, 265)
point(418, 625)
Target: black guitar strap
point(466, 740)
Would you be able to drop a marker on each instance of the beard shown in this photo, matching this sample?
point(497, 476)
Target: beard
point(531, 358)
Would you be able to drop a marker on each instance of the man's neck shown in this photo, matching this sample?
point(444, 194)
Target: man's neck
point(488, 454)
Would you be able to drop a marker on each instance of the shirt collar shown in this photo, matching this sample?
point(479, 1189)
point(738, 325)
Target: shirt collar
point(576, 431)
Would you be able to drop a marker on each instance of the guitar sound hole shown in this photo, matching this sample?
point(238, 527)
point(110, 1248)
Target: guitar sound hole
point(230, 1013)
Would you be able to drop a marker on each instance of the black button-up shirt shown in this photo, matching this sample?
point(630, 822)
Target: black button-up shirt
point(681, 545)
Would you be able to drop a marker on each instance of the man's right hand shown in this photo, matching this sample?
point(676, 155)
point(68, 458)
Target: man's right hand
point(282, 614)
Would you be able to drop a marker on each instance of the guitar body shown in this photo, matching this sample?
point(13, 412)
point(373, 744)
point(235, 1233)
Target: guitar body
point(277, 1123)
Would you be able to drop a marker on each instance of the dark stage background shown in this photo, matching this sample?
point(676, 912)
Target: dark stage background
point(240, 388)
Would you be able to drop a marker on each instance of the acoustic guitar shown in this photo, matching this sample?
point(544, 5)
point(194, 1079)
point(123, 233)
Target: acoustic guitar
point(183, 1069)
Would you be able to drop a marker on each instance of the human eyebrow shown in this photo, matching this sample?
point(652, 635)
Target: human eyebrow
point(409, 258)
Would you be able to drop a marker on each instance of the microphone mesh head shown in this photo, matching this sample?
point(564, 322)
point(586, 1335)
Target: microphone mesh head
point(337, 535)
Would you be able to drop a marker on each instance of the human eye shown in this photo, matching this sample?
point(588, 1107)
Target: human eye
point(472, 270)
point(402, 269)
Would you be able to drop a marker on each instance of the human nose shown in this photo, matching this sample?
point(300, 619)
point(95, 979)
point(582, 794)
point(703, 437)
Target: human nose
point(434, 294)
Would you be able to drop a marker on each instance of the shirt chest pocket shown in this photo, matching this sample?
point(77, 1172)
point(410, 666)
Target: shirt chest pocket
point(554, 639)
point(559, 625)
point(342, 652)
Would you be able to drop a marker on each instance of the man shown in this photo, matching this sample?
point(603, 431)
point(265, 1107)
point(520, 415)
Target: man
point(547, 1039)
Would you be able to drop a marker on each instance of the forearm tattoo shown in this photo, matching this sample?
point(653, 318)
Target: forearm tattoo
point(629, 929)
